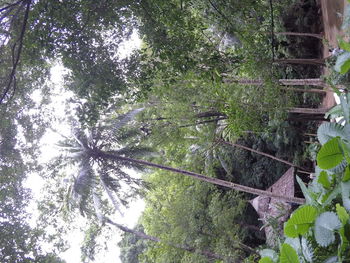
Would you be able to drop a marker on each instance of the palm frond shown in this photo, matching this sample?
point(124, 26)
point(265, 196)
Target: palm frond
point(83, 185)
point(121, 121)
point(133, 151)
point(105, 180)
point(98, 207)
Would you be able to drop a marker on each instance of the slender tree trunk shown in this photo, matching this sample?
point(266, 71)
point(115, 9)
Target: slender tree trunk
point(206, 253)
point(105, 155)
point(262, 153)
point(317, 82)
point(312, 111)
point(286, 82)
point(319, 36)
point(303, 61)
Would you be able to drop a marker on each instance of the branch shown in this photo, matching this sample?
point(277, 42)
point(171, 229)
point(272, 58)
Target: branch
point(15, 59)
point(11, 5)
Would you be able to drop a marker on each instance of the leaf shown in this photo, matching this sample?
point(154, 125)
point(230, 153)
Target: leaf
point(345, 106)
point(307, 194)
point(330, 155)
point(344, 233)
point(346, 176)
point(300, 221)
point(342, 214)
point(307, 249)
point(265, 260)
point(335, 112)
point(288, 254)
point(294, 243)
point(345, 192)
point(344, 45)
point(269, 253)
point(347, 231)
point(342, 64)
point(329, 130)
point(330, 196)
point(324, 180)
point(325, 224)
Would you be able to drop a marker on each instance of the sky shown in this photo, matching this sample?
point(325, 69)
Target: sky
point(49, 150)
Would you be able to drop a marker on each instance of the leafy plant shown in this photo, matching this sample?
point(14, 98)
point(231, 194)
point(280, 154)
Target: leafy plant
point(319, 231)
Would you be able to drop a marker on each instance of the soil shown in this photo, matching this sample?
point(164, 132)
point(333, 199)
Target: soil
point(332, 14)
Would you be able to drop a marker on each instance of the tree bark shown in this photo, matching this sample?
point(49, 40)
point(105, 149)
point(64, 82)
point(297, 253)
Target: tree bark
point(95, 153)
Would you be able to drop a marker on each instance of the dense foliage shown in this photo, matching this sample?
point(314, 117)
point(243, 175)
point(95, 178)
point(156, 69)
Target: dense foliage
point(207, 71)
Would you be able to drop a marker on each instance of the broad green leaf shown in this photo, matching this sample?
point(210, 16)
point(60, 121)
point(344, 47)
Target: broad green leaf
point(342, 214)
point(342, 64)
point(346, 176)
point(300, 221)
point(265, 260)
point(288, 254)
point(325, 226)
point(344, 45)
point(330, 155)
point(324, 180)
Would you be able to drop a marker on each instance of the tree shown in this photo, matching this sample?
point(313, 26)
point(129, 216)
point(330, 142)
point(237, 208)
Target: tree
point(19, 242)
point(90, 148)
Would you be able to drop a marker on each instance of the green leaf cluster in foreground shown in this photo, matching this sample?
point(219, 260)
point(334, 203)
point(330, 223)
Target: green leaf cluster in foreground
point(319, 230)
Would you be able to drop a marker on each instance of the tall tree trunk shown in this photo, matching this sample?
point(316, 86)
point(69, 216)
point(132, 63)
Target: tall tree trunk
point(262, 153)
point(105, 155)
point(312, 111)
point(286, 82)
point(319, 36)
point(303, 61)
point(206, 253)
point(317, 82)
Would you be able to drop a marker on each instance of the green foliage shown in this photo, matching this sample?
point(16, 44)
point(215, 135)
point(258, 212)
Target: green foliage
point(288, 254)
point(131, 246)
point(199, 216)
point(323, 222)
point(330, 154)
point(300, 221)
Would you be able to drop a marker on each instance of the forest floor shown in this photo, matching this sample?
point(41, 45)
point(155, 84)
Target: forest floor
point(332, 17)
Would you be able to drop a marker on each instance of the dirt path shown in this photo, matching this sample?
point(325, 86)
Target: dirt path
point(332, 13)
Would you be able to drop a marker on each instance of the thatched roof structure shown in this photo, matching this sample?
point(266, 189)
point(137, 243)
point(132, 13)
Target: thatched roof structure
point(272, 210)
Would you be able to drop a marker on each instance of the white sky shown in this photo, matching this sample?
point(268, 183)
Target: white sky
point(49, 150)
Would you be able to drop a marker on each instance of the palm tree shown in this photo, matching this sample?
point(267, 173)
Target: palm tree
point(100, 151)
point(97, 174)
